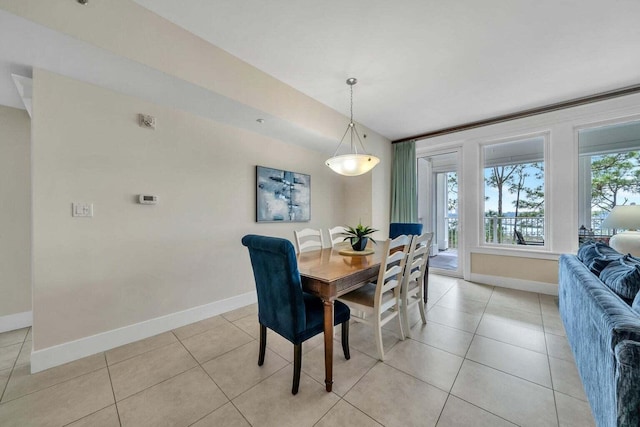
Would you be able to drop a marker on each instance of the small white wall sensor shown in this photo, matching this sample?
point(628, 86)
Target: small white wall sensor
point(146, 121)
point(146, 199)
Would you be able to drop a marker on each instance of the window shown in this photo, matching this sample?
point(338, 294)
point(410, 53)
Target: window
point(609, 174)
point(514, 192)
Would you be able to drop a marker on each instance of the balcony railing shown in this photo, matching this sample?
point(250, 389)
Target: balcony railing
point(452, 232)
point(500, 229)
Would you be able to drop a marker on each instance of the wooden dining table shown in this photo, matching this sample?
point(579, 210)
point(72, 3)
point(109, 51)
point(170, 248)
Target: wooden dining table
point(328, 275)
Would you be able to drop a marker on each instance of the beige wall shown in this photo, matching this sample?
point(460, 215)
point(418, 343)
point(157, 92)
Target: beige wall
point(131, 262)
point(15, 212)
point(523, 268)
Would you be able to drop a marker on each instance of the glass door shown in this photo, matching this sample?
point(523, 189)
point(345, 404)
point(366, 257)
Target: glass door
point(438, 208)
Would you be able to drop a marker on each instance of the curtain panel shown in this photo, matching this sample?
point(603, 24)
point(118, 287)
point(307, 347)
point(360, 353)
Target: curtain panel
point(404, 187)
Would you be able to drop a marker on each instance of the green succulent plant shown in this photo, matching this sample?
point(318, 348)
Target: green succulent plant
point(358, 232)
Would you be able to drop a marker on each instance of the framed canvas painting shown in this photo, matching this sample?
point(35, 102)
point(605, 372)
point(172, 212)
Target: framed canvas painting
point(282, 196)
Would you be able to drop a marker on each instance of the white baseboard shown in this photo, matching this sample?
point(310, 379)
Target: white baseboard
point(519, 284)
point(15, 321)
point(63, 353)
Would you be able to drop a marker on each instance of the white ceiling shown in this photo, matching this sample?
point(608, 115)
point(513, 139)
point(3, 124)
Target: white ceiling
point(424, 65)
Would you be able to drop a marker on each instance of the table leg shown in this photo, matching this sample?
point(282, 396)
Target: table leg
point(328, 343)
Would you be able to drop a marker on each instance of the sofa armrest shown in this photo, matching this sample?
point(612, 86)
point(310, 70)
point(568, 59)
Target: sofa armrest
point(627, 380)
point(613, 318)
point(618, 320)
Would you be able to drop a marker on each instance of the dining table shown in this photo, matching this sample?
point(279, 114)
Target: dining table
point(328, 274)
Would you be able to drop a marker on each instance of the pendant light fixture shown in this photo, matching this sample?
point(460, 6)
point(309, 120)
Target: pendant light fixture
point(354, 163)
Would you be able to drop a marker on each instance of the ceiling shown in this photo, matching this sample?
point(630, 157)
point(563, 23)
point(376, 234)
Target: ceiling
point(425, 65)
point(422, 65)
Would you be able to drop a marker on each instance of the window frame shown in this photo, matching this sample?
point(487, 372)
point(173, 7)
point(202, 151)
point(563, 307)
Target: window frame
point(584, 194)
point(546, 138)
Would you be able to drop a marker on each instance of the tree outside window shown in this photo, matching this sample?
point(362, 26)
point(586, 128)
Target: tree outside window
point(514, 192)
point(609, 171)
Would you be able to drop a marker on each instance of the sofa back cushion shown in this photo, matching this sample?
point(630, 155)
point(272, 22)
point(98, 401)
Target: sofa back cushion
point(622, 276)
point(636, 303)
point(597, 255)
point(585, 248)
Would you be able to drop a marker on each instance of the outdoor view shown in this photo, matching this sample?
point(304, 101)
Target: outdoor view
point(514, 200)
point(514, 192)
point(514, 203)
point(615, 180)
point(514, 183)
point(609, 175)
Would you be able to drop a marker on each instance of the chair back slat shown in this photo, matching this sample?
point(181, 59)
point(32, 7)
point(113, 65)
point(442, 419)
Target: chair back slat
point(308, 239)
point(417, 260)
point(336, 235)
point(392, 267)
point(415, 280)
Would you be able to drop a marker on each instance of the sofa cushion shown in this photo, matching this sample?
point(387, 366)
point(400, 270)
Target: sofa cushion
point(622, 276)
point(597, 255)
point(585, 248)
point(636, 303)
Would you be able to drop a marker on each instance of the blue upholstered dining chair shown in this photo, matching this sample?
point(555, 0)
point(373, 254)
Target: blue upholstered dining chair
point(408, 228)
point(283, 307)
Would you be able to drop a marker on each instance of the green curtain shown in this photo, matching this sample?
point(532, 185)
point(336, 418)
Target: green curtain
point(404, 192)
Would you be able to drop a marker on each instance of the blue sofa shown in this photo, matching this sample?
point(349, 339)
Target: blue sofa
point(603, 329)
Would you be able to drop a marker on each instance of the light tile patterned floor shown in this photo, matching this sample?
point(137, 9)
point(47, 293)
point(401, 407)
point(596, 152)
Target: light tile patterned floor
point(487, 357)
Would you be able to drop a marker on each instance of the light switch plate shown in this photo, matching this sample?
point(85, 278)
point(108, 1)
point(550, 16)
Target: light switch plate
point(82, 209)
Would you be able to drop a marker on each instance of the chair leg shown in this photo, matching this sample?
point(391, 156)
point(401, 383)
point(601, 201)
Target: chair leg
point(263, 344)
point(399, 316)
point(405, 319)
point(297, 365)
point(423, 314)
point(378, 334)
point(345, 340)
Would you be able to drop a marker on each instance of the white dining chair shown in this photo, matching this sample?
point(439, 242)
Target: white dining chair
point(336, 236)
point(380, 301)
point(411, 293)
point(308, 239)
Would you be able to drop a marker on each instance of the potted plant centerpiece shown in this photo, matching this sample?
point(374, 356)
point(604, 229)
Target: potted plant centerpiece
point(359, 236)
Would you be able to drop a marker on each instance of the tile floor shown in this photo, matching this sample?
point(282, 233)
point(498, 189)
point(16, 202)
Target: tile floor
point(486, 357)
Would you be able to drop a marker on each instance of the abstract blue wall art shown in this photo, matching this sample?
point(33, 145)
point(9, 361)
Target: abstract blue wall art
point(282, 196)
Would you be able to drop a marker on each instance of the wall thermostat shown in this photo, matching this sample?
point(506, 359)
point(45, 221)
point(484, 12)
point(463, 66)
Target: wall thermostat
point(146, 199)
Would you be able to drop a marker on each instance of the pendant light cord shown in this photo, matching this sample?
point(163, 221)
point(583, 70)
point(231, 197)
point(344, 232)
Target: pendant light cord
point(351, 87)
point(351, 128)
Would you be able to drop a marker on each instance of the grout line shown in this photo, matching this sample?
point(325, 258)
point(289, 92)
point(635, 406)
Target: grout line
point(88, 415)
point(490, 367)
point(546, 346)
point(4, 389)
point(113, 392)
point(328, 410)
point(138, 354)
point(229, 400)
point(53, 385)
point(445, 404)
point(486, 410)
point(156, 384)
point(512, 344)
point(464, 358)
